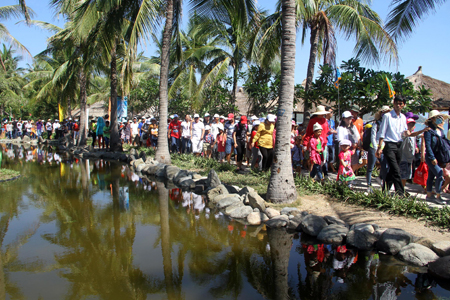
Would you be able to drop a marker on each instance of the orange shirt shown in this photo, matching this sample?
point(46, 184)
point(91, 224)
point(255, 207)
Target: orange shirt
point(359, 123)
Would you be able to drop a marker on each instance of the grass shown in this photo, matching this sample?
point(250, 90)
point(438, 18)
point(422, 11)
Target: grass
point(259, 181)
point(6, 174)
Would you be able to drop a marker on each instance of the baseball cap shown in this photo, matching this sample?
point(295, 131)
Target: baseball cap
point(171, 116)
point(271, 118)
point(256, 123)
point(175, 116)
point(347, 114)
point(410, 120)
point(196, 116)
point(230, 116)
point(207, 127)
point(222, 117)
point(207, 115)
point(216, 116)
point(243, 119)
point(253, 118)
point(345, 142)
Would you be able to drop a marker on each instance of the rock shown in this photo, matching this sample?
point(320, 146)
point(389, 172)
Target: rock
point(256, 201)
point(333, 220)
point(312, 225)
point(362, 227)
point(425, 242)
point(196, 176)
point(270, 212)
point(199, 188)
point(171, 172)
point(278, 221)
point(181, 174)
point(241, 212)
point(254, 218)
point(229, 209)
point(294, 223)
point(218, 198)
point(40, 140)
point(187, 184)
point(440, 268)
point(256, 210)
point(219, 190)
point(379, 232)
point(143, 156)
point(161, 172)
point(141, 167)
point(134, 163)
point(150, 160)
point(441, 248)
point(333, 234)
point(227, 201)
point(232, 189)
point(245, 190)
point(393, 240)
point(361, 239)
point(290, 210)
point(133, 152)
point(123, 158)
point(26, 139)
point(417, 254)
point(264, 217)
point(213, 179)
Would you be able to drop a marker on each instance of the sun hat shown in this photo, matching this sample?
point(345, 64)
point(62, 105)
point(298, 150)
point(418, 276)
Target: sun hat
point(320, 110)
point(196, 116)
point(171, 117)
point(346, 114)
point(256, 123)
point(253, 118)
point(243, 120)
point(220, 126)
point(222, 117)
point(355, 108)
point(345, 142)
point(410, 115)
point(271, 118)
point(175, 116)
point(207, 127)
point(216, 116)
point(436, 113)
point(293, 123)
point(207, 115)
point(230, 116)
point(410, 120)
point(317, 127)
point(386, 108)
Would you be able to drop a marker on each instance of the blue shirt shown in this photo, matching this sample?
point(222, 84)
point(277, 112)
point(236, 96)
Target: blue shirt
point(139, 127)
point(331, 125)
point(392, 127)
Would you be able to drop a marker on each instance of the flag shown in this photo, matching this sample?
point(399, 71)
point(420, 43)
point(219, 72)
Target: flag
point(391, 89)
point(61, 112)
point(338, 77)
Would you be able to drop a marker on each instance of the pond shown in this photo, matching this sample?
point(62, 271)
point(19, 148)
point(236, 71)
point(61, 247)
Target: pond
point(80, 229)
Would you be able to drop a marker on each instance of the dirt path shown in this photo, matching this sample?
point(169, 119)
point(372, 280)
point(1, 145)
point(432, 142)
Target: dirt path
point(351, 214)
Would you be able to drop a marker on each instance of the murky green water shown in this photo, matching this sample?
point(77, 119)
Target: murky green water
point(79, 229)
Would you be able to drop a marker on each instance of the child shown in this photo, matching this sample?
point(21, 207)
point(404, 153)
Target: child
point(297, 156)
point(408, 150)
point(221, 140)
point(345, 173)
point(316, 144)
point(208, 142)
point(106, 134)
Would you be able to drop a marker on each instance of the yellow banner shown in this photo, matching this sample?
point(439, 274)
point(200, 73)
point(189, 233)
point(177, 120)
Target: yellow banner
point(61, 112)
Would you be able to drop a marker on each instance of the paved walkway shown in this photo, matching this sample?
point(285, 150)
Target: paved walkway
point(415, 190)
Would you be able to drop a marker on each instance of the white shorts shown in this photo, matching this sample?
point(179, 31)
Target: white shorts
point(197, 145)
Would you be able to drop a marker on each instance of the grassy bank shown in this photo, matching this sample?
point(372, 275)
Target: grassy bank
point(395, 205)
point(6, 174)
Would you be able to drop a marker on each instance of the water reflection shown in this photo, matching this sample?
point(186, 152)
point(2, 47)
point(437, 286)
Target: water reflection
point(73, 228)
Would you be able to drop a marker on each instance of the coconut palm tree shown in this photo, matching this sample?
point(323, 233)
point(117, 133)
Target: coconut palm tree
point(405, 15)
point(281, 186)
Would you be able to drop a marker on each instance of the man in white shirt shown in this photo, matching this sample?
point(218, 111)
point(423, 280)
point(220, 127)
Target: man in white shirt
point(186, 145)
point(9, 129)
point(135, 132)
point(49, 129)
point(56, 127)
point(19, 128)
point(393, 129)
point(198, 130)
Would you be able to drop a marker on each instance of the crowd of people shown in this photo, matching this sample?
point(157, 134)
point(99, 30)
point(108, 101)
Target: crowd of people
point(388, 142)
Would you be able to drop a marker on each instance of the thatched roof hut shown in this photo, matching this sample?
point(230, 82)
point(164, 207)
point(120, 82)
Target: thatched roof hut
point(439, 89)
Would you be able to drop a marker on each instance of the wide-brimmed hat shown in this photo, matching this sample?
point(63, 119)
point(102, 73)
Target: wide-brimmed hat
point(436, 113)
point(355, 108)
point(320, 110)
point(410, 115)
point(271, 118)
point(317, 127)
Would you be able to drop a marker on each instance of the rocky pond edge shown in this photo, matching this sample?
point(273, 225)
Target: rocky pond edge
point(245, 205)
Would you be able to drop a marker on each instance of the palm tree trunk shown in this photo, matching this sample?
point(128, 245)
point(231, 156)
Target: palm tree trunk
point(163, 194)
point(281, 186)
point(280, 246)
point(69, 108)
point(116, 144)
point(235, 83)
point(162, 153)
point(83, 96)
point(311, 66)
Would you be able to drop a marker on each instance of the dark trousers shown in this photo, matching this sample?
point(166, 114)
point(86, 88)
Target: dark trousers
point(393, 155)
point(267, 155)
point(240, 150)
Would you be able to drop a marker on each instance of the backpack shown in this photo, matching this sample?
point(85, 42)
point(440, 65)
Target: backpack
point(367, 136)
point(442, 151)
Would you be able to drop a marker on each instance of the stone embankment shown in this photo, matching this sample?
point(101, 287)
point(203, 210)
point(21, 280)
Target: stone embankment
point(247, 206)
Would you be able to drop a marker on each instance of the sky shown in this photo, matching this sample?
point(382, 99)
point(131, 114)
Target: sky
point(427, 46)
